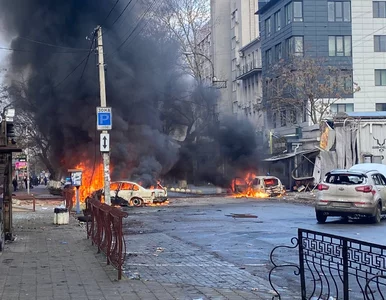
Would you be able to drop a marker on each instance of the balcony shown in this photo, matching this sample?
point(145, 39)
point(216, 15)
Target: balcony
point(249, 69)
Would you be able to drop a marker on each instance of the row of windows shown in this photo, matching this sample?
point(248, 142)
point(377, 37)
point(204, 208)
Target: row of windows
point(292, 46)
point(337, 46)
point(288, 117)
point(339, 11)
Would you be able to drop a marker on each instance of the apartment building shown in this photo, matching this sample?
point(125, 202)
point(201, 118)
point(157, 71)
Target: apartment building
point(237, 58)
point(349, 34)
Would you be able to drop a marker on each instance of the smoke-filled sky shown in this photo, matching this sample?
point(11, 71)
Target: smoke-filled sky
point(139, 77)
point(142, 78)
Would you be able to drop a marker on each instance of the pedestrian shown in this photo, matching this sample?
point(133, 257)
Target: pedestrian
point(25, 182)
point(14, 183)
point(45, 180)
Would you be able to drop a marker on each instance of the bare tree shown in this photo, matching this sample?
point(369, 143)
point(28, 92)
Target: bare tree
point(188, 22)
point(306, 86)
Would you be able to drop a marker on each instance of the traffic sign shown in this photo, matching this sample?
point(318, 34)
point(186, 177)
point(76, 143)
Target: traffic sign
point(104, 119)
point(105, 142)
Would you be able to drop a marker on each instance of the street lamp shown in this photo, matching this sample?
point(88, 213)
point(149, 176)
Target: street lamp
point(213, 78)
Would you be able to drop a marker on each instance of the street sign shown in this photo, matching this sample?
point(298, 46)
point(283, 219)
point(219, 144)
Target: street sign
point(104, 142)
point(76, 178)
point(104, 120)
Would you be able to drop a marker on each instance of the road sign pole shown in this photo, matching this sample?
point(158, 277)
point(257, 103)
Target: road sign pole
point(105, 155)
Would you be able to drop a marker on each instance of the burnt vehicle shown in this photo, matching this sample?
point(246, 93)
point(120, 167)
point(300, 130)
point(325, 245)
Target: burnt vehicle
point(127, 193)
point(258, 186)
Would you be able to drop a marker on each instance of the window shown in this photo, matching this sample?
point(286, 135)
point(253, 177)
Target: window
point(380, 77)
point(268, 27)
point(339, 11)
point(277, 20)
point(338, 108)
point(288, 13)
point(380, 43)
point(294, 46)
point(380, 106)
point(379, 9)
point(292, 116)
point(293, 12)
point(268, 55)
point(234, 18)
point(339, 45)
point(298, 11)
point(278, 52)
point(233, 43)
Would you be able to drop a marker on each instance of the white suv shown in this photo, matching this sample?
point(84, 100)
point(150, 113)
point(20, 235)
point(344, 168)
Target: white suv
point(351, 193)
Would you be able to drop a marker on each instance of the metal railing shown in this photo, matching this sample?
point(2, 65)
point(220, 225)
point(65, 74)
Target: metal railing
point(335, 267)
point(105, 231)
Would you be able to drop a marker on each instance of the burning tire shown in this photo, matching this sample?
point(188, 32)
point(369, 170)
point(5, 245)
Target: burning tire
point(137, 202)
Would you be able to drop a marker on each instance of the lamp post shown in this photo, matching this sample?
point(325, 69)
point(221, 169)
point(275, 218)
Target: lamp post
point(213, 78)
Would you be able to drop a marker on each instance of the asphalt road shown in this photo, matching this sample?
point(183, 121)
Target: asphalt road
point(192, 236)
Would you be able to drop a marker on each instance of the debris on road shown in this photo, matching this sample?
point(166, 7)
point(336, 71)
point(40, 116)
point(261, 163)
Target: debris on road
point(242, 216)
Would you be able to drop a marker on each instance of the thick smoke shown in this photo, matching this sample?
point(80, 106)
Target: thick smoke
point(144, 88)
point(137, 77)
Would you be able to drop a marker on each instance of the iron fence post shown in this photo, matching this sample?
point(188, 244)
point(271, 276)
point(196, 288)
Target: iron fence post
point(301, 266)
point(345, 270)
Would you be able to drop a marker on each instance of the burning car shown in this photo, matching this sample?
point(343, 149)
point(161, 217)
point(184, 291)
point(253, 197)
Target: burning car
point(258, 186)
point(127, 193)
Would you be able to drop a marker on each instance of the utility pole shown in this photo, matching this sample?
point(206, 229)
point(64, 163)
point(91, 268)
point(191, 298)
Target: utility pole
point(27, 150)
point(102, 85)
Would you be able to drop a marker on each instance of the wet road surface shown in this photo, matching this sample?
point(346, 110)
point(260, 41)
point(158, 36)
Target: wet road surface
point(199, 242)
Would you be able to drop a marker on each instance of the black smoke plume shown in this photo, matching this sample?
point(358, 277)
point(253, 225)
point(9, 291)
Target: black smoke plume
point(64, 108)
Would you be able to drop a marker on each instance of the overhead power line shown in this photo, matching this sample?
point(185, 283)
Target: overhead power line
point(111, 10)
point(120, 15)
point(32, 51)
point(134, 29)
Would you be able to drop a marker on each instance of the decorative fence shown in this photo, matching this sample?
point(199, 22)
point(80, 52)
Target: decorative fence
point(332, 267)
point(105, 231)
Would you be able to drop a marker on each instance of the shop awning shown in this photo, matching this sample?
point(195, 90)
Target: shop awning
point(291, 154)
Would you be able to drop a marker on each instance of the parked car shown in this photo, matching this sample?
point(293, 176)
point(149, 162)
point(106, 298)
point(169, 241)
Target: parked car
point(127, 193)
point(347, 193)
point(269, 185)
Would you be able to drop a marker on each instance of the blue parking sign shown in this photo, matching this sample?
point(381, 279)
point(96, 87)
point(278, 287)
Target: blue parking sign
point(104, 120)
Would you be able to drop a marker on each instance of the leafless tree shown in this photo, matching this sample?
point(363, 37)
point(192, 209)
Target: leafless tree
point(306, 86)
point(188, 22)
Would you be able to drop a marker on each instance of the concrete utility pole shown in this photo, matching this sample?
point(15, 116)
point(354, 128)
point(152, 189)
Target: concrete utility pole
point(105, 155)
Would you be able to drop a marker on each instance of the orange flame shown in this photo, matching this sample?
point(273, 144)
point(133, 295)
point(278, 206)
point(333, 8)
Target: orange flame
point(243, 187)
point(92, 179)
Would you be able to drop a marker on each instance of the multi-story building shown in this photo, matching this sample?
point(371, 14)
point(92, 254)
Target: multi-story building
point(237, 58)
point(347, 34)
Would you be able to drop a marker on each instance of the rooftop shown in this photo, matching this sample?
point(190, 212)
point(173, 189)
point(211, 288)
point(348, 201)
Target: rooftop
point(265, 7)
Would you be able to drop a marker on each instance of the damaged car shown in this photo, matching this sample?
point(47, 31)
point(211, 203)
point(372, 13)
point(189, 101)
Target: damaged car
point(127, 193)
point(269, 186)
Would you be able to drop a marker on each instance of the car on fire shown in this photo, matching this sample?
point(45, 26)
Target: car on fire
point(269, 185)
point(127, 193)
point(357, 192)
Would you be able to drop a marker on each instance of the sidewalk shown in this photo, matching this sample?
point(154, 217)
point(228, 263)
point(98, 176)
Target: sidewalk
point(51, 262)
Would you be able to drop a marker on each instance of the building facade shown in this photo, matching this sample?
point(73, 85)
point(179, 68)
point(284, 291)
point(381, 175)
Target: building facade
point(236, 48)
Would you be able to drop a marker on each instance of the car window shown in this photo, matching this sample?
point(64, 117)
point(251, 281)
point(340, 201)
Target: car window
point(376, 179)
point(126, 186)
point(256, 181)
point(348, 179)
point(114, 186)
point(135, 187)
point(382, 179)
point(271, 182)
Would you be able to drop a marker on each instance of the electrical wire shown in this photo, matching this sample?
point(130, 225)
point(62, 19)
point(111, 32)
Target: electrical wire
point(120, 15)
point(73, 71)
point(134, 29)
point(88, 55)
point(111, 10)
point(31, 51)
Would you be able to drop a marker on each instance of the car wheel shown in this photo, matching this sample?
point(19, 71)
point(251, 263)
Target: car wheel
point(377, 217)
point(137, 202)
point(320, 217)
